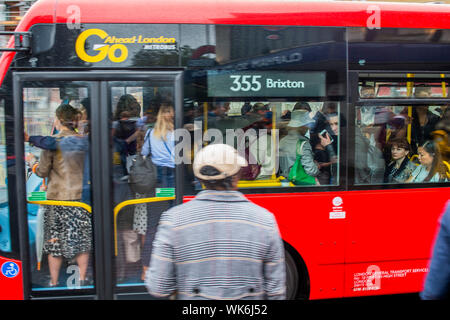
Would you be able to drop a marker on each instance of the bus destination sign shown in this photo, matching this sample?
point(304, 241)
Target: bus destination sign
point(265, 84)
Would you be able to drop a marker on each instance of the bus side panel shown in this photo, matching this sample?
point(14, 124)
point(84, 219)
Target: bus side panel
point(390, 231)
point(11, 282)
point(316, 229)
point(327, 282)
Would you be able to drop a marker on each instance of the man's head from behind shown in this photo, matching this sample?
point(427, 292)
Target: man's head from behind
point(217, 166)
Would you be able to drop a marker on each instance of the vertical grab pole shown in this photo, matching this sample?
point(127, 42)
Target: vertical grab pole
point(409, 87)
point(274, 145)
point(205, 117)
point(444, 88)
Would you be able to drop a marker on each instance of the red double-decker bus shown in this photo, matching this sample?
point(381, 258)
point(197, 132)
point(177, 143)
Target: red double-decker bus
point(372, 78)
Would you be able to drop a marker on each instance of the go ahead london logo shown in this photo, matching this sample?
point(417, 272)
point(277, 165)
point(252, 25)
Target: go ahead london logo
point(114, 48)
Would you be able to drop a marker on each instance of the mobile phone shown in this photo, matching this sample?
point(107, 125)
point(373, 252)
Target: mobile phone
point(324, 132)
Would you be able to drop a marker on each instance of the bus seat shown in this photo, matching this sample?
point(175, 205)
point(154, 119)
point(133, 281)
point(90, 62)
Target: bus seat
point(448, 168)
point(415, 159)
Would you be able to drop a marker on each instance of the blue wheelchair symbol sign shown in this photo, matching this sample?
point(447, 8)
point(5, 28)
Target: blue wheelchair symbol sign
point(10, 269)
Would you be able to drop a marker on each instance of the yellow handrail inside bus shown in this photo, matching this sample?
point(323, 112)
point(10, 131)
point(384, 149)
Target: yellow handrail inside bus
point(274, 140)
point(83, 205)
point(205, 117)
point(123, 204)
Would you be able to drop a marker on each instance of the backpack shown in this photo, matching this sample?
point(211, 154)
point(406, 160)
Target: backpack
point(142, 174)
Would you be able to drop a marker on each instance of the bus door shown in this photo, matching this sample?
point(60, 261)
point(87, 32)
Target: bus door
point(86, 224)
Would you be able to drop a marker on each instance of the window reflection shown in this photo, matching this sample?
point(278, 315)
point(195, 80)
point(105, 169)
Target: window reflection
point(142, 134)
point(274, 137)
point(401, 144)
point(58, 186)
point(418, 89)
point(5, 236)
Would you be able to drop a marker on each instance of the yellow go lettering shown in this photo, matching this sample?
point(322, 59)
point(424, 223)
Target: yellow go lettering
point(103, 51)
point(112, 53)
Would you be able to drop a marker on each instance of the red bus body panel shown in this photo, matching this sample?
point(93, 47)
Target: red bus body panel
point(11, 288)
point(383, 228)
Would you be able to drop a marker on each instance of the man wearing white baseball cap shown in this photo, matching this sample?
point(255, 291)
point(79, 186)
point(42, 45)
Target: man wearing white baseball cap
point(218, 245)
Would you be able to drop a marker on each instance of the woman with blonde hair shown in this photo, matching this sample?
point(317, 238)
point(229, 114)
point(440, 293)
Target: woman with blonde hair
point(159, 142)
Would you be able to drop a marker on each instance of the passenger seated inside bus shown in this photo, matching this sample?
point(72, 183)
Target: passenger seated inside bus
point(399, 168)
point(431, 168)
point(263, 148)
point(422, 125)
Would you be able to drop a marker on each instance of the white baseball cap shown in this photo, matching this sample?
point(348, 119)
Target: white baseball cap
point(222, 157)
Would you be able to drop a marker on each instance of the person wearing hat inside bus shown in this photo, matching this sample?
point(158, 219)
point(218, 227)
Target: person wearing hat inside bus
point(218, 245)
point(298, 129)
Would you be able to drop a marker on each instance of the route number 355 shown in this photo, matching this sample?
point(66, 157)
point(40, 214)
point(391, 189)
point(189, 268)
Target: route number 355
point(245, 83)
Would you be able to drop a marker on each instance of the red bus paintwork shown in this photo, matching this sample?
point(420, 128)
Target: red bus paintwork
point(11, 288)
point(389, 230)
point(385, 228)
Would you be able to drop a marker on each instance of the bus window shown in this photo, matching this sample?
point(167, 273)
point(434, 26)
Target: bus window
point(423, 86)
point(143, 123)
point(5, 236)
point(56, 124)
point(275, 137)
point(402, 144)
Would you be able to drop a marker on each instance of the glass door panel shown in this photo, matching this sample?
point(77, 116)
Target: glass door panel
point(56, 124)
point(142, 125)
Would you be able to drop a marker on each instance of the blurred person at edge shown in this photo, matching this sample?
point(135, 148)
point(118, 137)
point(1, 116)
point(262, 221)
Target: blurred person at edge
point(437, 282)
point(198, 241)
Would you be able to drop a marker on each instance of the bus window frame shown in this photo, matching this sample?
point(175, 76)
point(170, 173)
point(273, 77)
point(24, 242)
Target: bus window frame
point(342, 158)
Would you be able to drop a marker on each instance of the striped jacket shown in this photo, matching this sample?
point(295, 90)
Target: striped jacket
point(217, 246)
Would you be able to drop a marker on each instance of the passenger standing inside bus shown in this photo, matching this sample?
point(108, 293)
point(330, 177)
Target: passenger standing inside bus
point(162, 145)
point(67, 230)
point(400, 168)
point(437, 283)
point(298, 131)
point(218, 245)
point(431, 168)
point(423, 123)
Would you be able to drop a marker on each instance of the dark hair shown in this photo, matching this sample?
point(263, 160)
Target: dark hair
point(401, 143)
point(220, 184)
point(86, 103)
point(127, 102)
point(302, 106)
point(328, 116)
point(246, 108)
point(259, 106)
point(67, 115)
